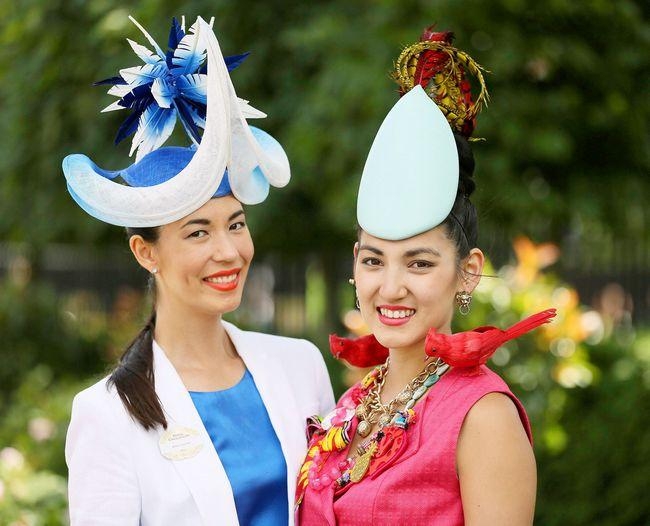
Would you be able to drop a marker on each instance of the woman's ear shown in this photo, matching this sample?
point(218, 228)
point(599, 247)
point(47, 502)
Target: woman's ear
point(355, 250)
point(472, 269)
point(144, 252)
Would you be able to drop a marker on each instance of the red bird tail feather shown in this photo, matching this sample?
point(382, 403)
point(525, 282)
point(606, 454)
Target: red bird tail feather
point(530, 323)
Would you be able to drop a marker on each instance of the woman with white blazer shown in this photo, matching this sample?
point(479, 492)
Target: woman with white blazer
point(200, 422)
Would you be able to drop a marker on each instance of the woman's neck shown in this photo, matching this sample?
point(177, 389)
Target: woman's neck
point(405, 365)
point(199, 348)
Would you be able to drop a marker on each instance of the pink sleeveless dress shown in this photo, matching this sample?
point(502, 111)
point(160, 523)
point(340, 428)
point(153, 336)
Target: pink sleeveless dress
point(420, 485)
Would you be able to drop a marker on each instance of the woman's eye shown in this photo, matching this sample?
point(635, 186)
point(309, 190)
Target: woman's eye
point(421, 264)
point(371, 262)
point(238, 225)
point(198, 234)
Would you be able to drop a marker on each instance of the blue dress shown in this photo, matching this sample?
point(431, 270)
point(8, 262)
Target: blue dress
point(241, 431)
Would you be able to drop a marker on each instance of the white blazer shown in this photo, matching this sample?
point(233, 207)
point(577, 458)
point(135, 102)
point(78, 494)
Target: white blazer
point(117, 474)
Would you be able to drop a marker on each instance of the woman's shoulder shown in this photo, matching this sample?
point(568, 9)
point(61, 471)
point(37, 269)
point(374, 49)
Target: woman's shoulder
point(480, 379)
point(488, 398)
point(99, 401)
point(100, 391)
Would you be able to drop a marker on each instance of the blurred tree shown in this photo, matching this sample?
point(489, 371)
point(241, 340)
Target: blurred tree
point(602, 475)
point(39, 329)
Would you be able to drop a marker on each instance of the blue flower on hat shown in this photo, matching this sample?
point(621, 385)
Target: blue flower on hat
point(168, 86)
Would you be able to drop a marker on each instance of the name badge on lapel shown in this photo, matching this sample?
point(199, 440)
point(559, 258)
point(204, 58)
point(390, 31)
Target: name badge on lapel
point(180, 443)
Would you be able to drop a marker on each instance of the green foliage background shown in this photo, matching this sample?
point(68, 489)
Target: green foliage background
point(568, 144)
point(566, 160)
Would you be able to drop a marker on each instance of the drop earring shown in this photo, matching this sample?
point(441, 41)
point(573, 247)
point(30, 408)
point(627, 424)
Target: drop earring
point(463, 300)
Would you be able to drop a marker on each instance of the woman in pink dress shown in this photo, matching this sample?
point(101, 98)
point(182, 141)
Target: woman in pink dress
point(431, 435)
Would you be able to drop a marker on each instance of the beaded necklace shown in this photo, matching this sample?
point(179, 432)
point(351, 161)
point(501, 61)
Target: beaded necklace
point(332, 433)
point(372, 411)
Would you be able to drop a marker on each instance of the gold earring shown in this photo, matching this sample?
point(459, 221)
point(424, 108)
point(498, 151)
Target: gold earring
point(463, 300)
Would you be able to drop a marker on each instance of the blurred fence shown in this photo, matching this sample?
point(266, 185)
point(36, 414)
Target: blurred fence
point(299, 296)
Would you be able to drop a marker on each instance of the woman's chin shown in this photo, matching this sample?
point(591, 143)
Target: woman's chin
point(398, 342)
point(223, 306)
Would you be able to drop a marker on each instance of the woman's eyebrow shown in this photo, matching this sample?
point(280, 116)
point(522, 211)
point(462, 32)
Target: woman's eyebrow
point(203, 221)
point(371, 249)
point(417, 251)
point(236, 214)
point(197, 221)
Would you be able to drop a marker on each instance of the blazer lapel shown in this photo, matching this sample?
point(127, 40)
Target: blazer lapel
point(203, 473)
point(275, 390)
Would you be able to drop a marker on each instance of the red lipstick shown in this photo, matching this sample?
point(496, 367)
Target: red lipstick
point(224, 280)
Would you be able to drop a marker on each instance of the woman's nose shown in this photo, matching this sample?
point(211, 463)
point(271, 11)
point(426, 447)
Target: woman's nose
point(393, 285)
point(224, 249)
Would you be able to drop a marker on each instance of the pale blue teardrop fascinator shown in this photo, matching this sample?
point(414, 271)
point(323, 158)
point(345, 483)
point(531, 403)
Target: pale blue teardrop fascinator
point(189, 83)
point(410, 179)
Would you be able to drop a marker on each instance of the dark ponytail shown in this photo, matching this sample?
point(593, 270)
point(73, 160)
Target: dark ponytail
point(462, 223)
point(133, 377)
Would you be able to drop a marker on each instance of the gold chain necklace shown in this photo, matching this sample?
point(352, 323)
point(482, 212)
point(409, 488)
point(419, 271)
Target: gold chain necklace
point(371, 410)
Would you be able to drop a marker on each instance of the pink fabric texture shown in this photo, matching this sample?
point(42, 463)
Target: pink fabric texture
point(420, 486)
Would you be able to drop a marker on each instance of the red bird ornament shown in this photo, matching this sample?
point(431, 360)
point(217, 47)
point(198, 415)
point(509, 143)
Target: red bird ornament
point(365, 351)
point(468, 349)
point(473, 348)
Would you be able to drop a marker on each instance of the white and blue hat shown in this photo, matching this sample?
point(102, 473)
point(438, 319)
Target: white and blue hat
point(190, 83)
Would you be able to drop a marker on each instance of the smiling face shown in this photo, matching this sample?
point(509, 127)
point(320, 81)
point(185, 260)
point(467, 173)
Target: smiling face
point(407, 287)
point(202, 260)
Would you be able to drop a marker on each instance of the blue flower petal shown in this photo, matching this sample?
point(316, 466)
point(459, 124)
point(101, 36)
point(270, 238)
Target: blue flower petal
point(138, 98)
point(234, 61)
point(115, 81)
point(187, 115)
point(129, 126)
point(146, 74)
point(189, 54)
point(176, 34)
point(154, 128)
point(163, 93)
point(193, 87)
